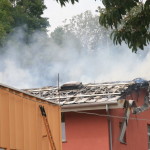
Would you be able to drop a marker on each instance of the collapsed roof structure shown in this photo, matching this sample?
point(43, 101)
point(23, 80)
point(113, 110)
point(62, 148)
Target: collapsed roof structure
point(76, 96)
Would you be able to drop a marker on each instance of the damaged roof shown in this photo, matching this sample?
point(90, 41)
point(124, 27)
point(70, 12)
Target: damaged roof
point(76, 94)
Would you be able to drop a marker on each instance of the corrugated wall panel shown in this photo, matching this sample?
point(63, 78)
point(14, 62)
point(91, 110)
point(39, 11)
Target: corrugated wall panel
point(53, 115)
point(32, 125)
point(45, 142)
point(21, 123)
point(39, 128)
point(26, 124)
point(4, 118)
point(12, 118)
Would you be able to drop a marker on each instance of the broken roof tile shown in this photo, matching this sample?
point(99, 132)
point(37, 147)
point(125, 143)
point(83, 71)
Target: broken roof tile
point(78, 93)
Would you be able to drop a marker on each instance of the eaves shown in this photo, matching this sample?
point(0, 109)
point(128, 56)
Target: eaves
point(92, 106)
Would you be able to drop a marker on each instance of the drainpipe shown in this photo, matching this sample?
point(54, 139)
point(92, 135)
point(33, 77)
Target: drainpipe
point(109, 128)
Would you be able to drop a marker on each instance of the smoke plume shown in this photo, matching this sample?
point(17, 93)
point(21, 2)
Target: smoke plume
point(37, 63)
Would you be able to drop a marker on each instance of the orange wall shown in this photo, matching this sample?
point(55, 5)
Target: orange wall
point(136, 133)
point(86, 132)
point(21, 124)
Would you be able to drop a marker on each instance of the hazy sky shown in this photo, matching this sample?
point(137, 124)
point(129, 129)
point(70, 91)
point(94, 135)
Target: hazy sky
point(57, 14)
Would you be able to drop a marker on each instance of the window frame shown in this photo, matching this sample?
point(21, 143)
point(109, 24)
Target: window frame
point(63, 127)
point(148, 133)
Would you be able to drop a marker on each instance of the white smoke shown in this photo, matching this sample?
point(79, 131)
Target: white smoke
point(38, 63)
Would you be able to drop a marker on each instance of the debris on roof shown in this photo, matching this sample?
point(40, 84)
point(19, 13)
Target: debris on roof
point(71, 86)
point(78, 93)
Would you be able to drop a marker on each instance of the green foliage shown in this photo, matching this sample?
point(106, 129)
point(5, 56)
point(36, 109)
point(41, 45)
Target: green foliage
point(87, 29)
point(18, 13)
point(29, 13)
point(58, 36)
point(65, 38)
point(6, 19)
point(82, 32)
point(129, 20)
point(63, 2)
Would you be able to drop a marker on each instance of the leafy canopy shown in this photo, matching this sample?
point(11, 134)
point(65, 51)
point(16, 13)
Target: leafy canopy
point(129, 19)
point(63, 2)
point(29, 13)
point(87, 29)
point(6, 19)
point(17, 13)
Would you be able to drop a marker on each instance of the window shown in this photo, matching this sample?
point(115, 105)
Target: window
point(124, 137)
point(63, 127)
point(148, 127)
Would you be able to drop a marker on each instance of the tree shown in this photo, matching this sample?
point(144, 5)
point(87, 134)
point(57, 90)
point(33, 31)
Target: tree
point(129, 20)
point(29, 13)
point(18, 13)
point(60, 37)
point(63, 2)
point(87, 29)
point(6, 19)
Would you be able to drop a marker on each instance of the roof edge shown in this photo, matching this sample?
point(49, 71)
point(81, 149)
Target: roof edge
point(12, 88)
point(92, 106)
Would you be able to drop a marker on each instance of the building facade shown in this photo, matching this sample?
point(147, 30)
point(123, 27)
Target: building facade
point(21, 122)
point(105, 116)
point(86, 131)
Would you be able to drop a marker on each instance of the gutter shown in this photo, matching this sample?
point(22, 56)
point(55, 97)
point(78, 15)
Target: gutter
point(91, 106)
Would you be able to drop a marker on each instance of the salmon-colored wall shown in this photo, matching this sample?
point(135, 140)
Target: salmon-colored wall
point(21, 123)
point(86, 132)
point(136, 133)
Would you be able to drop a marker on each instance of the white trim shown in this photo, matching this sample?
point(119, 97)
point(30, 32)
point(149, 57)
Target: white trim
point(92, 106)
point(63, 128)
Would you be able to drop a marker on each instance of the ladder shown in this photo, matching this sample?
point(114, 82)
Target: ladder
point(49, 133)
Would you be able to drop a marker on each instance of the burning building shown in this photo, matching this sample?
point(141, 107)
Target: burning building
point(108, 116)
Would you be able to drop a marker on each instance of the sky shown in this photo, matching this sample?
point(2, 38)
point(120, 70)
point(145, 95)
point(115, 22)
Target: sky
point(57, 14)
